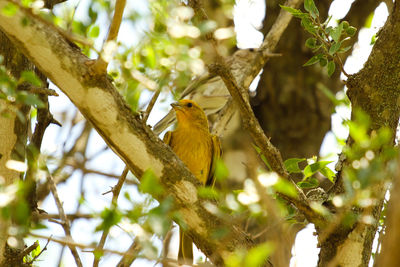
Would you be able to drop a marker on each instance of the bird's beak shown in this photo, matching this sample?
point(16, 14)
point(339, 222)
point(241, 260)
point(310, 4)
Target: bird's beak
point(176, 105)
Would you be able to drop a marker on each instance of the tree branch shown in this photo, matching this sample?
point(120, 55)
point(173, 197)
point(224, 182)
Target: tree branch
point(115, 191)
point(65, 222)
point(100, 66)
point(124, 132)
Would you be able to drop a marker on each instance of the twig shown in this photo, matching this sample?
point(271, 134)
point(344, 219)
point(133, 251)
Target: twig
point(276, 31)
point(75, 244)
point(116, 190)
point(144, 80)
point(71, 217)
point(28, 250)
point(130, 254)
point(100, 66)
point(40, 253)
point(166, 243)
point(44, 91)
point(66, 225)
point(151, 105)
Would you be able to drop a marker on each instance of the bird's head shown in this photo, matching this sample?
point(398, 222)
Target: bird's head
point(188, 113)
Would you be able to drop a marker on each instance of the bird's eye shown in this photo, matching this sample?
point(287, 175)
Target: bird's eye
point(189, 105)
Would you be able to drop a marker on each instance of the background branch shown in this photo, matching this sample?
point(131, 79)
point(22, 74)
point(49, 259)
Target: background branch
point(65, 222)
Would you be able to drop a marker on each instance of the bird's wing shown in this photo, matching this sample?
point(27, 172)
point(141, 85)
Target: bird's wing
point(164, 122)
point(167, 138)
point(215, 156)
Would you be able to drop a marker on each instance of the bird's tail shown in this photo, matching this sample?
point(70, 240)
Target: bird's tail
point(185, 255)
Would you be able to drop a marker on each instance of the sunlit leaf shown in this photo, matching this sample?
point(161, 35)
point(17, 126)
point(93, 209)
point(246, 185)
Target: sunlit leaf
point(149, 184)
point(292, 165)
point(258, 255)
point(295, 12)
point(309, 5)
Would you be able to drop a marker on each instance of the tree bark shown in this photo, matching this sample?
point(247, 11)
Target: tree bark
point(13, 139)
point(389, 255)
point(374, 90)
point(124, 132)
point(289, 105)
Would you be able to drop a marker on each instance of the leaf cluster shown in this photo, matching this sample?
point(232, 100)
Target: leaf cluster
point(309, 171)
point(327, 42)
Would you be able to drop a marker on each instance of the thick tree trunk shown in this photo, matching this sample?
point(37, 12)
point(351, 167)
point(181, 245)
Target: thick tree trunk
point(289, 105)
point(374, 90)
point(13, 137)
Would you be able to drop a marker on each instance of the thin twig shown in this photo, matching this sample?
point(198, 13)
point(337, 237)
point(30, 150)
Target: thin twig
point(116, 190)
point(75, 244)
point(40, 253)
point(28, 250)
point(43, 90)
point(144, 80)
point(71, 217)
point(100, 66)
point(65, 225)
point(130, 254)
point(151, 105)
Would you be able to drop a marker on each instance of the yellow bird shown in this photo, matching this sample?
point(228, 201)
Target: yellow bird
point(193, 143)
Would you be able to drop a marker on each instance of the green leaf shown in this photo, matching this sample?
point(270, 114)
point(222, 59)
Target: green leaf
point(295, 12)
point(308, 25)
point(336, 32)
point(351, 30)
point(323, 61)
point(221, 171)
point(309, 5)
point(328, 173)
point(368, 21)
point(292, 165)
point(33, 100)
point(331, 68)
point(92, 13)
point(94, 31)
point(30, 77)
point(345, 24)
point(373, 39)
point(258, 255)
point(110, 217)
point(285, 187)
point(310, 182)
point(311, 42)
point(334, 48)
point(344, 49)
point(9, 10)
point(150, 184)
point(207, 193)
point(36, 251)
point(315, 167)
point(315, 59)
point(150, 57)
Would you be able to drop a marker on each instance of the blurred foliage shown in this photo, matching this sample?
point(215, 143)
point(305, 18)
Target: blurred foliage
point(16, 92)
point(165, 54)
